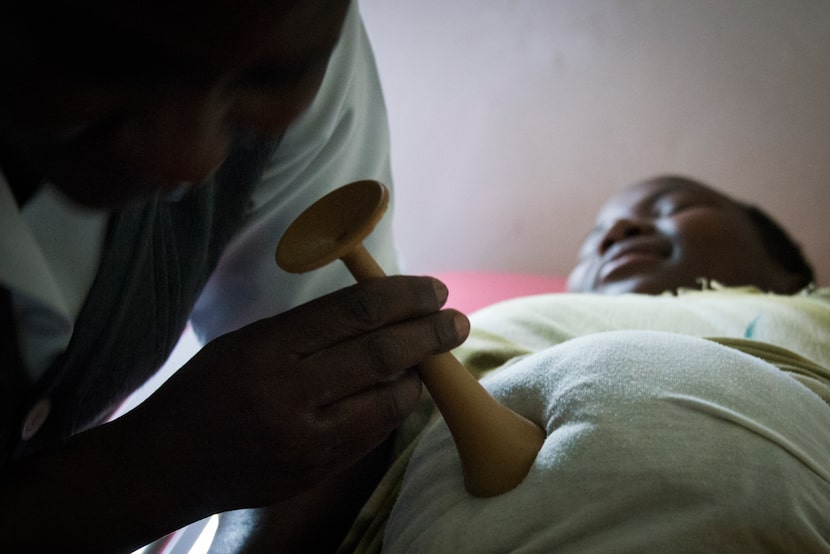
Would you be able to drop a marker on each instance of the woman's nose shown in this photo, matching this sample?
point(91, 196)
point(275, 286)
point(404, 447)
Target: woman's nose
point(624, 228)
point(179, 135)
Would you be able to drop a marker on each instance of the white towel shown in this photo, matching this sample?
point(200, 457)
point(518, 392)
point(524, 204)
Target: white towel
point(657, 442)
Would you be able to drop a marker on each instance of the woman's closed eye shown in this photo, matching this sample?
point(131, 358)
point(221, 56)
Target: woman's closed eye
point(677, 202)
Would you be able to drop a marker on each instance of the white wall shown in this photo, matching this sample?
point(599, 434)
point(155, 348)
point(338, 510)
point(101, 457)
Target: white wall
point(513, 119)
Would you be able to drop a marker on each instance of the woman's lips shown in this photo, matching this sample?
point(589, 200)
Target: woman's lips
point(632, 255)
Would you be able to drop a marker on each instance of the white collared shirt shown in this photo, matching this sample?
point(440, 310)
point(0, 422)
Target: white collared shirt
point(50, 252)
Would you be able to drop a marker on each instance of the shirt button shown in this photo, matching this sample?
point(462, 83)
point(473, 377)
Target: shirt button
point(35, 418)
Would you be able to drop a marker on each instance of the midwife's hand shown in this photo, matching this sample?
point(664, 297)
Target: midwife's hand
point(277, 406)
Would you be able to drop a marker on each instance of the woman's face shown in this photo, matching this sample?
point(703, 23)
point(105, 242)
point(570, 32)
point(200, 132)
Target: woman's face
point(666, 233)
point(113, 100)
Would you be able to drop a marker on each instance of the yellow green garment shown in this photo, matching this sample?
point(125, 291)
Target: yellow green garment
point(790, 332)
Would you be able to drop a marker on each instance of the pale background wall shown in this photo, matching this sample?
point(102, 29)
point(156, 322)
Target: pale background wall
point(513, 119)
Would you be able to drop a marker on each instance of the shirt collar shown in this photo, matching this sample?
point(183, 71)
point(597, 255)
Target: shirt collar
point(24, 269)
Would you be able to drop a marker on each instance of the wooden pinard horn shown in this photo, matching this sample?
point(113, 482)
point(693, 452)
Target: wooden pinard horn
point(496, 445)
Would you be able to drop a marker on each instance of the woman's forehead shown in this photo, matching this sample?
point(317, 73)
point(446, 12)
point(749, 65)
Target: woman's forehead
point(646, 192)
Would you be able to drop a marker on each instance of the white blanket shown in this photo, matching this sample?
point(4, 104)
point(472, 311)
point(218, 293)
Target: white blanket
point(657, 442)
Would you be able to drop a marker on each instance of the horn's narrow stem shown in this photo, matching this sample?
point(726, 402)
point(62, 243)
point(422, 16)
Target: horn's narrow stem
point(496, 445)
